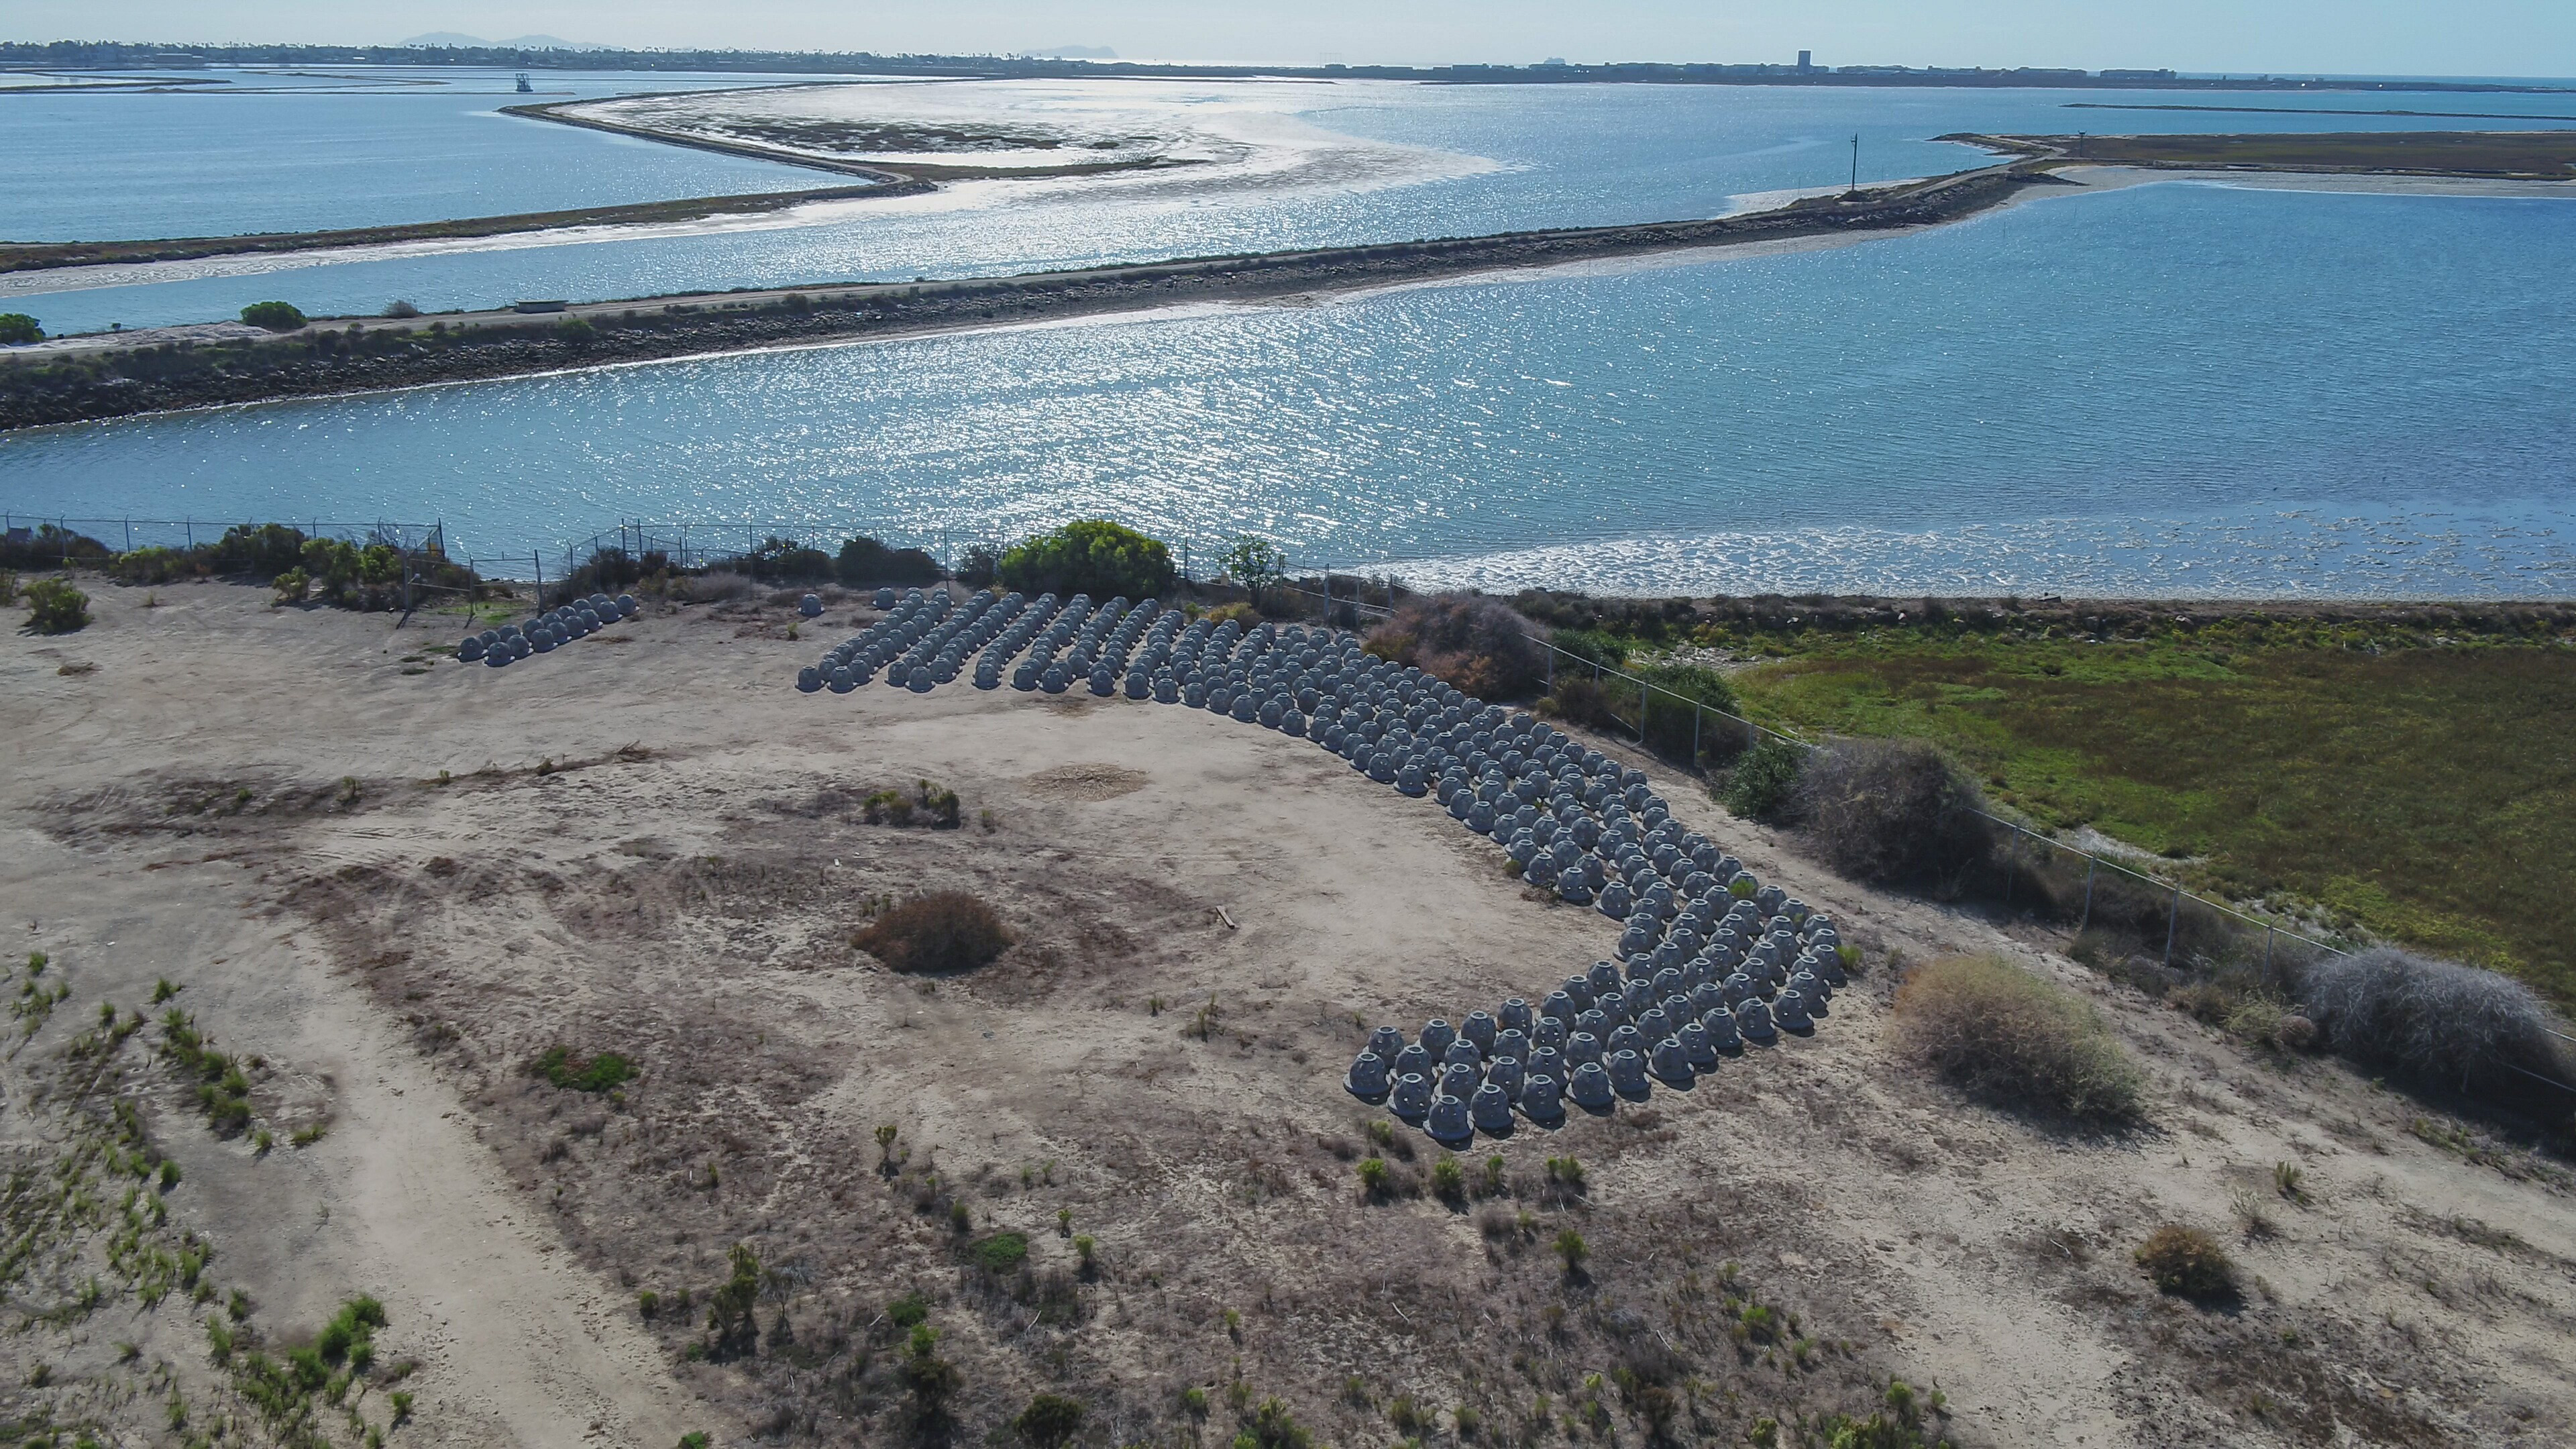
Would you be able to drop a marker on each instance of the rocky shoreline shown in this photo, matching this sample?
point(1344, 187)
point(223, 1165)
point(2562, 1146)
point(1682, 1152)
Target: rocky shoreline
point(344, 355)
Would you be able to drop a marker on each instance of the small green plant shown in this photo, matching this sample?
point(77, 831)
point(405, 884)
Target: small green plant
point(583, 1074)
point(1234, 1325)
point(1002, 1253)
point(696, 1439)
point(1448, 1179)
point(1064, 1222)
point(309, 1134)
point(886, 1134)
point(55, 607)
point(960, 1217)
point(274, 316)
point(1381, 1133)
point(1086, 1250)
point(1194, 1401)
point(1049, 1421)
point(2187, 1263)
point(292, 585)
point(1374, 1175)
point(169, 1174)
point(1493, 1182)
point(262, 1141)
point(908, 1311)
point(1566, 1173)
point(647, 1303)
point(1571, 1247)
point(162, 991)
point(2285, 1181)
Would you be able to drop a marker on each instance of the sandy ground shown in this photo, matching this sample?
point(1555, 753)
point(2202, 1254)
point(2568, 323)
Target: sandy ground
point(649, 843)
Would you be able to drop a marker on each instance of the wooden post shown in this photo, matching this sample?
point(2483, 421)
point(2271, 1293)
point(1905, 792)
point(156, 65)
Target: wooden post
point(2173, 924)
point(2091, 864)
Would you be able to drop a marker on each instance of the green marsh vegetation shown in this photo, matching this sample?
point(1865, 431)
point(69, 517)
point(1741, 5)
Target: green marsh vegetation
point(2404, 769)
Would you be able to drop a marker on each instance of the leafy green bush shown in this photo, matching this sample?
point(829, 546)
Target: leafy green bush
point(55, 607)
point(1049, 1420)
point(909, 1310)
point(1002, 1252)
point(18, 327)
point(1591, 646)
point(1674, 727)
point(292, 585)
point(275, 316)
point(865, 561)
point(943, 931)
point(1996, 1029)
point(576, 331)
point(1763, 785)
point(1089, 556)
point(2187, 1263)
point(583, 1074)
point(1888, 811)
point(261, 551)
point(730, 1319)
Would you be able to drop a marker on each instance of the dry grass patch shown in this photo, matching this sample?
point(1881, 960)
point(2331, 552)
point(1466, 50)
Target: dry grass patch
point(2001, 1032)
point(2187, 1263)
point(938, 933)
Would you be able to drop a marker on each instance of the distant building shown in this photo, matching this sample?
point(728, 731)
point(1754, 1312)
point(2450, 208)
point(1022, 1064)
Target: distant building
point(1806, 61)
point(2137, 75)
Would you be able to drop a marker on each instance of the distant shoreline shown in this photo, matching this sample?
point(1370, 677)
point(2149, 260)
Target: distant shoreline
point(101, 376)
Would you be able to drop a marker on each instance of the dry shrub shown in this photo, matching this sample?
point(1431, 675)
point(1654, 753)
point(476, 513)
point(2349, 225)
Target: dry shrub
point(2187, 1262)
point(1886, 811)
point(1475, 643)
point(943, 931)
point(1578, 700)
point(1998, 1030)
point(2436, 1020)
point(712, 587)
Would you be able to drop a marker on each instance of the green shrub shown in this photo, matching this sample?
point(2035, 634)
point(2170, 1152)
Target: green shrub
point(18, 327)
point(909, 1310)
point(944, 931)
point(1763, 785)
point(866, 561)
point(1272, 1426)
point(1592, 646)
point(730, 1309)
point(1002, 1253)
point(1571, 1247)
point(1374, 1175)
point(576, 331)
point(1890, 811)
point(1049, 1420)
point(55, 607)
point(1448, 1179)
point(1996, 1029)
point(1090, 556)
point(2187, 1263)
point(275, 316)
point(583, 1074)
point(1677, 701)
point(292, 586)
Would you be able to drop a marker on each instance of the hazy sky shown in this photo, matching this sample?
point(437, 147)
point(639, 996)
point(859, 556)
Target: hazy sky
point(2416, 37)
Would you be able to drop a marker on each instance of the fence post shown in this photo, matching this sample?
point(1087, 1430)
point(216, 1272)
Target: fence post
point(2011, 863)
point(2091, 864)
point(538, 557)
point(129, 535)
point(2173, 924)
point(2267, 953)
point(1698, 715)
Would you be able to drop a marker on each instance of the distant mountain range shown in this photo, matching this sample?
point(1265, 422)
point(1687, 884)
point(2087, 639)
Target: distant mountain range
point(453, 41)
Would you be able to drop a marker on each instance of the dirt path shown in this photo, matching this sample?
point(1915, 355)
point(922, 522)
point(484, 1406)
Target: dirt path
point(398, 957)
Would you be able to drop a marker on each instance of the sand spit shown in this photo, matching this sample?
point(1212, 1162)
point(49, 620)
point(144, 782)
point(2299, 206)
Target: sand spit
point(395, 880)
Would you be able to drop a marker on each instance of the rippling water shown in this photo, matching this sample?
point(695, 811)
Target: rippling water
point(1526, 156)
point(2175, 389)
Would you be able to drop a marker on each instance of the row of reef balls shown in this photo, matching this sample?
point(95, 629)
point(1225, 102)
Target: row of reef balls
point(1709, 958)
point(545, 632)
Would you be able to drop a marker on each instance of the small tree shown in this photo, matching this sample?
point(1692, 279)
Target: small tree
point(1049, 1420)
point(729, 1310)
point(55, 607)
point(1571, 1247)
point(18, 327)
point(1090, 556)
point(931, 1379)
point(275, 316)
point(1254, 562)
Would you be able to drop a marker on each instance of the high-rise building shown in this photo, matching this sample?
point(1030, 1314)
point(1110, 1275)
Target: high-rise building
point(1806, 61)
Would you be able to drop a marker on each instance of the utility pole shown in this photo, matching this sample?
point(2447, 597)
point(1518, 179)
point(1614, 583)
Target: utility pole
point(1855, 184)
